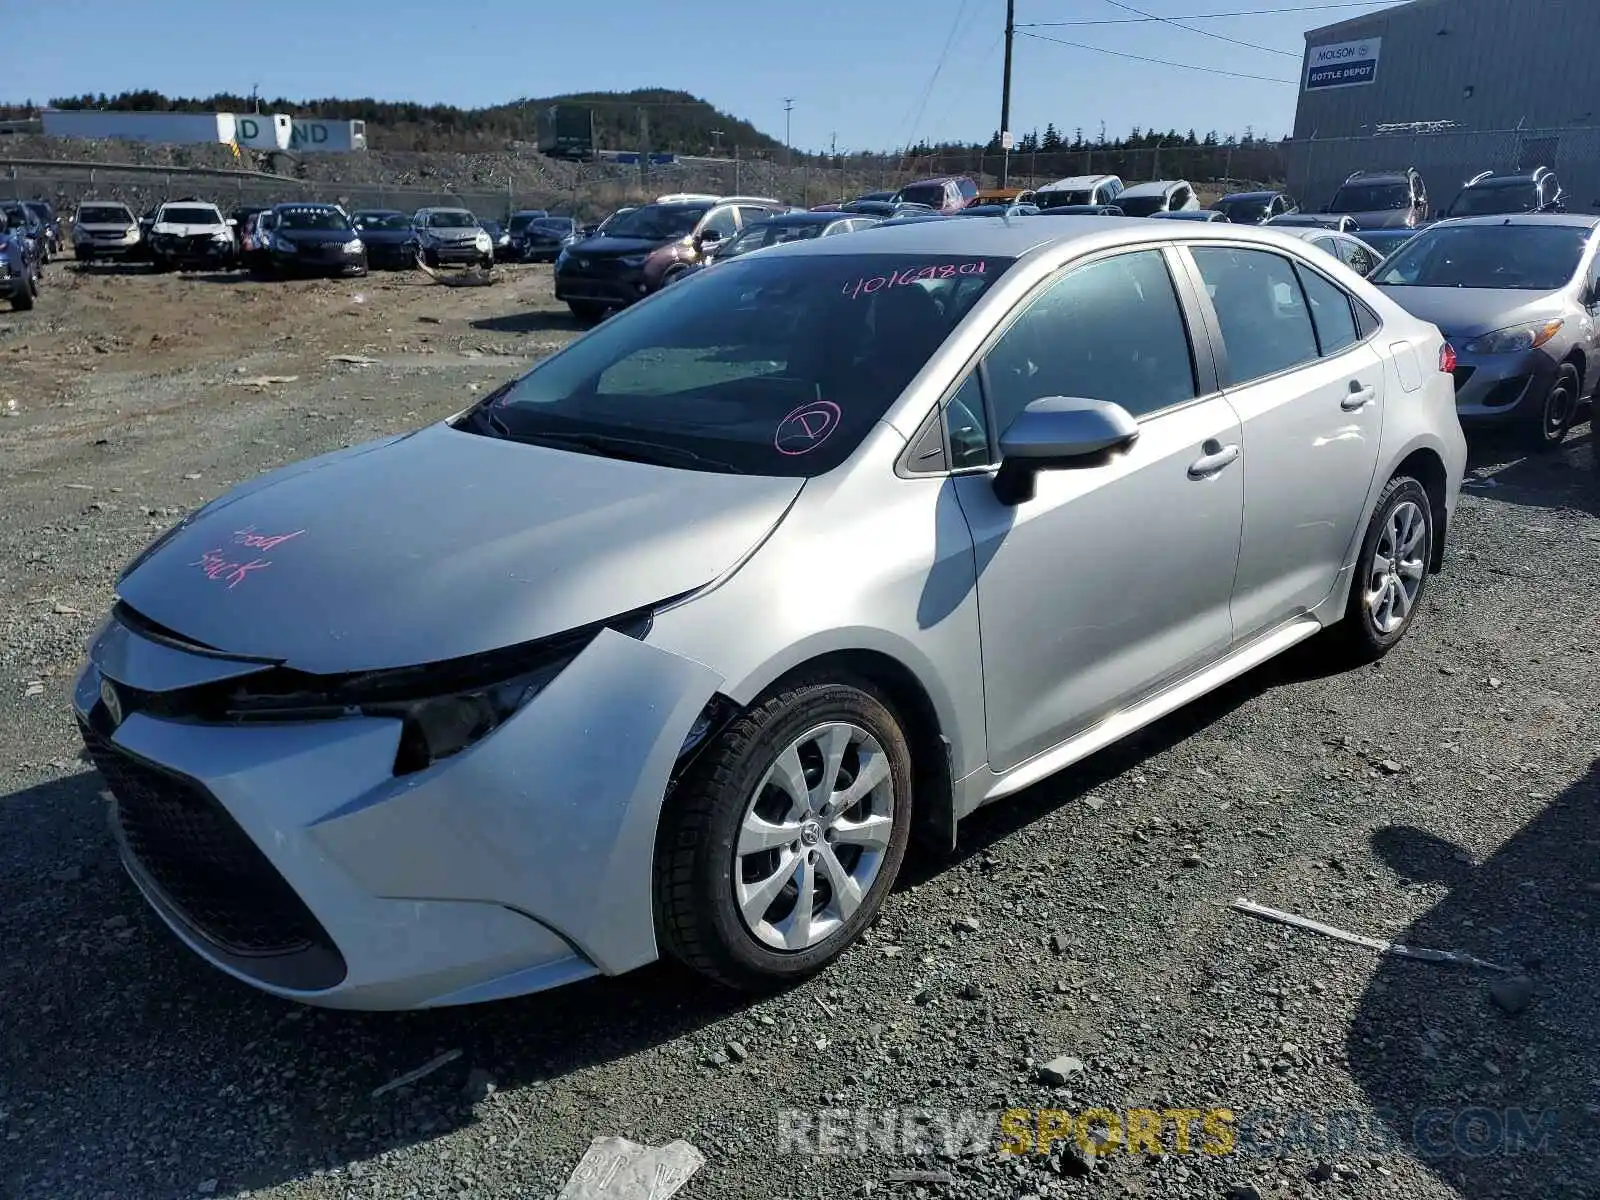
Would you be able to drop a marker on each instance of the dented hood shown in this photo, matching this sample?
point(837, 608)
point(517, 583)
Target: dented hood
point(440, 544)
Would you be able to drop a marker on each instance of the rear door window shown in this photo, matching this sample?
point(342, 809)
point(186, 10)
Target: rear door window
point(1261, 310)
point(1331, 315)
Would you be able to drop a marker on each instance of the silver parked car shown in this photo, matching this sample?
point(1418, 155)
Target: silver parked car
point(452, 235)
point(1348, 248)
point(1517, 297)
point(672, 643)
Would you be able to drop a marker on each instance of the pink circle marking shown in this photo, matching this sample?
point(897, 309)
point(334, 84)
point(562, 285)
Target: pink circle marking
point(806, 428)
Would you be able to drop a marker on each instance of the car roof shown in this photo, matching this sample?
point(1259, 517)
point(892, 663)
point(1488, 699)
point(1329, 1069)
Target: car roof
point(307, 204)
point(929, 179)
point(1073, 183)
point(1506, 178)
point(806, 217)
point(1156, 187)
point(1575, 220)
point(1379, 177)
point(381, 212)
point(1266, 195)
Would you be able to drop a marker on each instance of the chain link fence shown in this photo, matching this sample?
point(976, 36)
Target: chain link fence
point(496, 184)
point(1446, 159)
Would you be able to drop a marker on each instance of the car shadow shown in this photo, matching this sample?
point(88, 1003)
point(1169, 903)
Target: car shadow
point(530, 322)
point(1500, 469)
point(111, 268)
point(1490, 1080)
point(109, 1015)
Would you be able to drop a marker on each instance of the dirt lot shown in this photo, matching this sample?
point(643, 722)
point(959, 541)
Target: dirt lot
point(1446, 798)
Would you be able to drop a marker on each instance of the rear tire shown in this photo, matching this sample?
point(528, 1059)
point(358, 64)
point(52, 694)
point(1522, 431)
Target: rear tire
point(1557, 411)
point(1388, 587)
point(736, 899)
point(22, 298)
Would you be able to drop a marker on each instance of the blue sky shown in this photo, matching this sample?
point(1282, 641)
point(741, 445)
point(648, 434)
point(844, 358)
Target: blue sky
point(875, 75)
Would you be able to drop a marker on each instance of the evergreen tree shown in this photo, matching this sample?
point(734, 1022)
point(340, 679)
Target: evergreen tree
point(1052, 139)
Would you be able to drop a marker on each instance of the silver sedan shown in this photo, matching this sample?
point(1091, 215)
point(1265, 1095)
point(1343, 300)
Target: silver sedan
point(672, 644)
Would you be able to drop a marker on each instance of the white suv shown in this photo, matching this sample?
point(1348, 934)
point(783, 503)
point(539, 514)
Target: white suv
point(191, 233)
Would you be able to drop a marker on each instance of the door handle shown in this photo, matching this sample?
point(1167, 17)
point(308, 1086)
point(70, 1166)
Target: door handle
point(1359, 397)
point(1216, 457)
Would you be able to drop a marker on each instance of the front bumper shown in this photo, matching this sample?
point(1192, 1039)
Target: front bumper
point(1495, 389)
point(317, 260)
point(603, 281)
point(289, 855)
point(189, 251)
point(456, 252)
point(106, 246)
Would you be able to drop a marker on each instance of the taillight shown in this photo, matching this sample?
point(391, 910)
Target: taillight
point(1447, 359)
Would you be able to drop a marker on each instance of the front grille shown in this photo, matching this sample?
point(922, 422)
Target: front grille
point(1462, 374)
point(1506, 392)
point(205, 865)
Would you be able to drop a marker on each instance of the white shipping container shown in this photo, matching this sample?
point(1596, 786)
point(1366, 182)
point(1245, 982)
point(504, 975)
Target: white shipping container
point(264, 131)
point(311, 136)
point(177, 128)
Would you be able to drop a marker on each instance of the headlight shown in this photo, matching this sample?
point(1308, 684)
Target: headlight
point(283, 244)
point(1515, 338)
point(353, 246)
point(482, 241)
point(444, 707)
point(633, 260)
point(223, 236)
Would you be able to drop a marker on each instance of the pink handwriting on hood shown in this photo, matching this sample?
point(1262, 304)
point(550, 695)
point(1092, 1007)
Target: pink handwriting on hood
point(214, 564)
point(262, 541)
point(909, 275)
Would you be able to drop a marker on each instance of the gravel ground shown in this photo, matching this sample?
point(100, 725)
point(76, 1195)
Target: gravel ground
point(1076, 953)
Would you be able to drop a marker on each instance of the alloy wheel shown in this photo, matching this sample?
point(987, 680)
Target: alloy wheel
point(813, 837)
point(1399, 563)
point(1559, 407)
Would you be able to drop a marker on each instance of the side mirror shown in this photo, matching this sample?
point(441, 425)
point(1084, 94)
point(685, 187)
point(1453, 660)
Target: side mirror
point(709, 237)
point(1059, 433)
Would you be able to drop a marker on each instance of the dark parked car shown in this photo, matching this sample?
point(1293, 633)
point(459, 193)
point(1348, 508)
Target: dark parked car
point(240, 217)
point(48, 224)
point(1386, 241)
point(310, 239)
point(517, 227)
point(543, 238)
point(390, 240)
point(1495, 193)
point(640, 251)
point(945, 194)
point(883, 209)
point(24, 224)
point(779, 230)
point(1382, 199)
point(19, 266)
point(1255, 208)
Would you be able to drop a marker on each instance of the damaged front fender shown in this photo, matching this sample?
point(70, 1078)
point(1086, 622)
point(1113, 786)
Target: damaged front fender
point(554, 815)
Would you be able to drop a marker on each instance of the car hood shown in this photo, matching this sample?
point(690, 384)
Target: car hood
point(616, 247)
point(108, 226)
point(316, 237)
point(387, 237)
point(452, 233)
point(440, 544)
point(1383, 218)
point(1471, 312)
point(188, 230)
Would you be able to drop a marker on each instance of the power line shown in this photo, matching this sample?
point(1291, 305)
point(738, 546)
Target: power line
point(927, 92)
point(1210, 16)
point(1159, 62)
point(1202, 32)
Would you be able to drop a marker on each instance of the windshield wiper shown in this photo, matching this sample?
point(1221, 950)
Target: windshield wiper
point(629, 450)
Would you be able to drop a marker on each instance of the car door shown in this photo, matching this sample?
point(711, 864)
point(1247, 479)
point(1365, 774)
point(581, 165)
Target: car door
point(1309, 391)
point(1114, 577)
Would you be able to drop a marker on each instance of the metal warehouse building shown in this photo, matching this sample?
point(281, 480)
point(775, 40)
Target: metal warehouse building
point(1452, 87)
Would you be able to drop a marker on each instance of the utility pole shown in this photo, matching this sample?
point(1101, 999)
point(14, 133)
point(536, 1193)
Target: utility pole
point(644, 145)
point(255, 97)
point(716, 141)
point(788, 145)
point(1005, 96)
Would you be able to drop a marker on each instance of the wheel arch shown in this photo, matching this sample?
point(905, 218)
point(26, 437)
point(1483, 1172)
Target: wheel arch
point(1425, 465)
point(929, 731)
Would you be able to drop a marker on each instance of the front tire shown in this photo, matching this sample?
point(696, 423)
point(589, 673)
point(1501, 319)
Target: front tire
point(585, 312)
point(1556, 412)
point(1391, 575)
point(779, 847)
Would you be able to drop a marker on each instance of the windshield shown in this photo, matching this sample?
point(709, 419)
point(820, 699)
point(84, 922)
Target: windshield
point(1244, 211)
point(520, 221)
point(657, 222)
point(770, 366)
point(1062, 199)
point(104, 214)
point(1537, 258)
point(1499, 198)
point(311, 218)
point(1140, 206)
point(771, 233)
point(931, 194)
point(451, 220)
point(1370, 197)
point(558, 225)
point(190, 216)
point(383, 222)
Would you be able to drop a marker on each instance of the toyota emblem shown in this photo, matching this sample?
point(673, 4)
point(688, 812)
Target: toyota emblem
point(112, 701)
